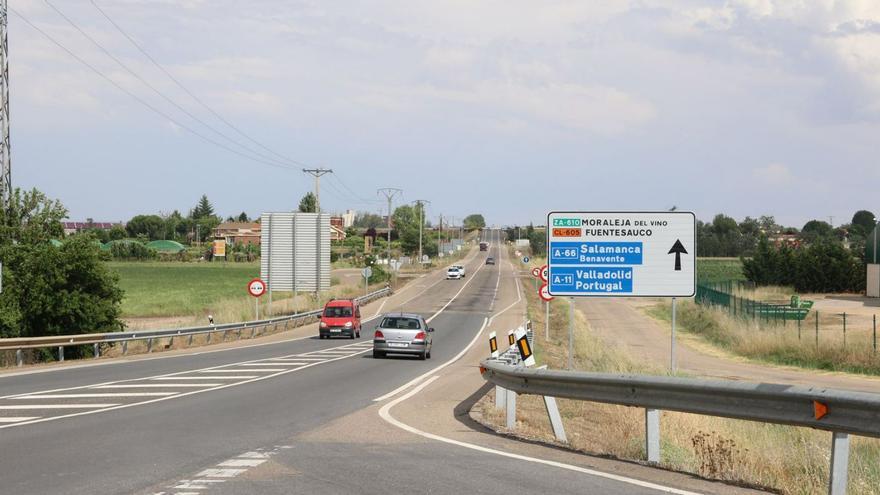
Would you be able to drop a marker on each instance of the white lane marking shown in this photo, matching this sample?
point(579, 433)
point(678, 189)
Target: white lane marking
point(160, 399)
point(237, 377)
point(54, 406)
point(242, 463)
point(16, 419)
point(93, 396)
point(242, 370)
point(438, 368)
point(158, 385)
point(385, 414)
point(275, 363)
point(220, 473)
point(253, 455)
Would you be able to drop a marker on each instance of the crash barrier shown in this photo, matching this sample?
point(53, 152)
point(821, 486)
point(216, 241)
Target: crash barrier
point(843, 413)
point(256, 328)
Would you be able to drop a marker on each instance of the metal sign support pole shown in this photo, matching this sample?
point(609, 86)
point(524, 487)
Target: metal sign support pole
point(547, 320)
point(672, 343)
point(570, 332)
point(257, 307)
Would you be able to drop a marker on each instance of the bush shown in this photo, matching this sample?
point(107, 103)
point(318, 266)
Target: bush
point(131, 251)
point(824, 266)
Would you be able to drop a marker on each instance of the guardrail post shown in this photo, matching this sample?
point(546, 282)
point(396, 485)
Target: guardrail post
point(208, 340)
point(839, 463)
point(510, 401)
point(652, 435)
point(555, 418)
point(190, 341)
point(500, 397)
point(253, 332)
point(19, 358)
point(149, 345)
point(97, 350)
point(124, 347)
point(61, 353)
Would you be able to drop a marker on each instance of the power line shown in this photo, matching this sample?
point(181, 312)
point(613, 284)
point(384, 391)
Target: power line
point(353, 192)
point(140, 100)
point(153, 88)
point(187, 91)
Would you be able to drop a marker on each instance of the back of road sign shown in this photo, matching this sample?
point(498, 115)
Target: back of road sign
point(622, 254)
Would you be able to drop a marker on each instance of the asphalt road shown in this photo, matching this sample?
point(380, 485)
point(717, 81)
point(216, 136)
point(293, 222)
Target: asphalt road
point(188, 424)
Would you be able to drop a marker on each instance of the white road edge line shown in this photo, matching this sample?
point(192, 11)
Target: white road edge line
point(385, 414)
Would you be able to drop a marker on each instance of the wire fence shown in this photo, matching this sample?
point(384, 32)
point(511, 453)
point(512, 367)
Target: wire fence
point(797, 314)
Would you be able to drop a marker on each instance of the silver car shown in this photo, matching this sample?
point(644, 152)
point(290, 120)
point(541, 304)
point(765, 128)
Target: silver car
point(403, 333)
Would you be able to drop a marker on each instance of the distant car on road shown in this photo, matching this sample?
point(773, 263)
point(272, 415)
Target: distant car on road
point(341, 318)
point(403, 333)
point(484, 246)
point(453, 273)
point(490, 260)
point(460, 269)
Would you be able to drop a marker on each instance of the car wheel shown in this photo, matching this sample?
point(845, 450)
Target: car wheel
point(428, 355)
point(378, 355)
point(352, 335)
point(423, 356)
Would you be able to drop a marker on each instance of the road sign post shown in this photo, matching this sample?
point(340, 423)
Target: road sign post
point(622, 254)
point(544, 294)
point(367, 273)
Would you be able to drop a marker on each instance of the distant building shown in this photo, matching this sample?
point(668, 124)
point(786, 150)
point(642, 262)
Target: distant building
point(790, 240)
point(76, 227)
point(337, 228)
point(239, 233)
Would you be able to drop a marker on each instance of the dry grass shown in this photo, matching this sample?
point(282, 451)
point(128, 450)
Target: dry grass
point(786, 459)
point(788, 343)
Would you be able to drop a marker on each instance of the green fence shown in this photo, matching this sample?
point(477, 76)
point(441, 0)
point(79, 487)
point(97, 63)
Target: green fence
point(723, 294)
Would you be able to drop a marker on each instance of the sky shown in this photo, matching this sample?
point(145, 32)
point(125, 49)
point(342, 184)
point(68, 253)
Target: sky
point(509, 108)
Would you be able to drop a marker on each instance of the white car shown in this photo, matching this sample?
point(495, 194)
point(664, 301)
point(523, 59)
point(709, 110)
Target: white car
point(460, 269)
point(453, 273)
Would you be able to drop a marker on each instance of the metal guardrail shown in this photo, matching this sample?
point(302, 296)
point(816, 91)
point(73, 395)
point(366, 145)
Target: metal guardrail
point(838, 411)
point(61, 341)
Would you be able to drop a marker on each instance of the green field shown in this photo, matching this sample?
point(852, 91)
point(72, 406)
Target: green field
point(719, 269)
point(166, 288)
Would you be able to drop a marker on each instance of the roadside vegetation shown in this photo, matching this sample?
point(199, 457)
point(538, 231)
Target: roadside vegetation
point(782, 343)
point(786, 459)
point(710, 270)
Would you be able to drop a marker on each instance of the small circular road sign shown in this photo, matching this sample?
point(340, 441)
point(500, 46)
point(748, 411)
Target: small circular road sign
point(526, 259)
point(256, 287)
point(544, 293)
point(545, 273)
point(367, 272)
point(536, 272)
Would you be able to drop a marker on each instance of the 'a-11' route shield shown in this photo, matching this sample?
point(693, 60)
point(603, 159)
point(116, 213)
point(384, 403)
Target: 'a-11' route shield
point(622, 254)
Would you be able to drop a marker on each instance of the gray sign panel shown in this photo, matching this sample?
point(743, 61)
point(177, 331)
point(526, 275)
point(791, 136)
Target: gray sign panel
point(295, 251)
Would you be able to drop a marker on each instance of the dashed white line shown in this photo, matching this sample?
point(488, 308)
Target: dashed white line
point(237, 377)
point(93, 396)
point(159, 385)
point(55, 406)
point(16, 419)
point(242, 370)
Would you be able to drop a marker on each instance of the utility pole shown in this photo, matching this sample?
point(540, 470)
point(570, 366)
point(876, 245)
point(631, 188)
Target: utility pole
point(421, 205)
point(317, 173)
point(439, 241)
point(389, 193)
point(5, 159)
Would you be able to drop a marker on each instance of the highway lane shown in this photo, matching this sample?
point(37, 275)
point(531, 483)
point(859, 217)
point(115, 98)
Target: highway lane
point(126, 450)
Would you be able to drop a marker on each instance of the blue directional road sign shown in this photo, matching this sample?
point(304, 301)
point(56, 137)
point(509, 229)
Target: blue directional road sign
point(525, 259)
point(622, 254)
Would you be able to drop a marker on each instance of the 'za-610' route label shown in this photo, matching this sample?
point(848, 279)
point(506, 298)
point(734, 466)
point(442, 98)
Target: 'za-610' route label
point(622, 253)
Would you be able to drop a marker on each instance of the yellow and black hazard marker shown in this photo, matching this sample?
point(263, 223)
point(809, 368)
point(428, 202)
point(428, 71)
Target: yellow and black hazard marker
point(493, 344)
point(511, 338)
point(525, 350)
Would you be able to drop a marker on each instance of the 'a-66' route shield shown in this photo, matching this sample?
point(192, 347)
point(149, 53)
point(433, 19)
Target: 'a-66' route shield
point(622, 254)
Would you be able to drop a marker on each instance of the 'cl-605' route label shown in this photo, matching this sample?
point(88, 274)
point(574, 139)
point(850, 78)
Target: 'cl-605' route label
point(622, 253)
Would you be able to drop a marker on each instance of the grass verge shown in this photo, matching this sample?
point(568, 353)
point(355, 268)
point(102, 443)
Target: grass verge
point(785, 459)
point(790, 344)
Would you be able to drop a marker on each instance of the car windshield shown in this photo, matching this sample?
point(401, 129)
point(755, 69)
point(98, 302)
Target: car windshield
point(453, 269)
point(401, 322)
point(338, 311)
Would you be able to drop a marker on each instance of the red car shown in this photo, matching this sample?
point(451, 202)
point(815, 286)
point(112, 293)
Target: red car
point(341, 318)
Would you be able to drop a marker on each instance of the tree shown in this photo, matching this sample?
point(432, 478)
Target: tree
point(116, 233)
point(817, 229)
point(242, 217)
point(50, 290)
point(308, 203)
point(368, 221)
point(863, 222)
point(406, 220)
point(474, 221)
point(151, 226)
point(204, 208)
